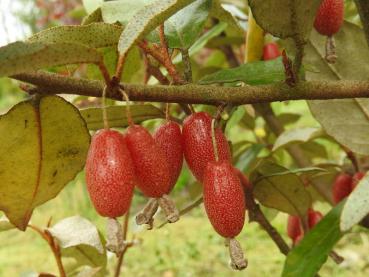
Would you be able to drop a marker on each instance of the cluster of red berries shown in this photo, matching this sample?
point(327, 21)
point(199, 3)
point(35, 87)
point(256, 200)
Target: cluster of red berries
point(344, 184)
point(117, 162)
point(295, 228)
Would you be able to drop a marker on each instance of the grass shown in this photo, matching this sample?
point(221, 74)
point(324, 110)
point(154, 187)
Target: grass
point(189, 247)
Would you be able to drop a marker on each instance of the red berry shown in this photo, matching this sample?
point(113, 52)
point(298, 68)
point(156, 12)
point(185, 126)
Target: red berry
point(329, 17)
point(314, 217)
point(341, 187)
point(169, 138)
point(224, 199)
point(270, 51)
point(356, 179)
point(198, 146)
point(298, 239)
point(110, 175)
point(149, 161)
point(294, 227)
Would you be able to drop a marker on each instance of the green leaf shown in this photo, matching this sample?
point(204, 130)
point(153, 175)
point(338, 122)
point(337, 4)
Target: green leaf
point(91, 5)
point(223, 15)
point(285, 18)
point(277, 187)
point(80, 239)
point(94, 35)
point(146, 20)
point(122, 11)
point(249, 156)
point(47, 141)
point(201, 42)
point(346, 121)
point(297, 135)
point(255, 73)
point(310, 254)
point(117, 115)
point(20, 57)
point(5, 224)
point(94, 17)
point(288, 118)
point(356, 206)
point(183, 28)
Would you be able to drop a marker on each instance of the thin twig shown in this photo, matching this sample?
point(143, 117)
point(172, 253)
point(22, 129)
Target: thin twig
point(126, 245)
point(105, 73)
point(187, 65)
point(53, 246)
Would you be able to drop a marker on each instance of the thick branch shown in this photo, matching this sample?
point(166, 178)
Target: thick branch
point(363, 9)
point(49, 83)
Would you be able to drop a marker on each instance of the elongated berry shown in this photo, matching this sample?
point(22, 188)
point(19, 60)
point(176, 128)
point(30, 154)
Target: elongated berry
point(314, 217)
point(294, 227)
point(356, 179)
point(110, 175)
point(149, 162)
point(329, 17)
point(224, 199)
point(271, 51)
point(169, 138)
point(198, 146)
point(341, 187)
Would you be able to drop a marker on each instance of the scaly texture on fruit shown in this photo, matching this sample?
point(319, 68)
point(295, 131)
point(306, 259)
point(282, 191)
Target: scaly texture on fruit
point(169, 138)
point(314, 217)
point(224, 199)
point(198, 146)
point(149, 161)
point(329, 17)
point(341, 187)
point(356, 179)
point(294, 227)
point(110, 175)
point(271, 51)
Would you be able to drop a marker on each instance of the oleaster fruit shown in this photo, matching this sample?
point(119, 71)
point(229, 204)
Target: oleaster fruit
point(198, 147)
point(169, 138)
point(314, 217)
point(149, 161)
point(329, 17)
point(328, 22)
point(152, 171)
point(341, 187)
point(110, 174)
point(224, 203)
point(356, 179)
point(294, 225)
point(271, 51)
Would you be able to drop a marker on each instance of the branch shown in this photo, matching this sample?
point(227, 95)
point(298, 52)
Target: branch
point(49, 84)
point(363, 9)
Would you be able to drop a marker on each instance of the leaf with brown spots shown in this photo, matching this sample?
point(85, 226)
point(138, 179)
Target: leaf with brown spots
point(44, 145)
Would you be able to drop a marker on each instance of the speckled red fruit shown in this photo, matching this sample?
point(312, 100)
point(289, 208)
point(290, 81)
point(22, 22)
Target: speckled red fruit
point(198, 146)
point(294, 227)
point(271, 51)
point(341, 187)
point(169, 138)
point(110, 175)
point(329, 17)
point(149, 161)
point(356, 179)
point(224, 199)
point(314, 217)
point(298, 239)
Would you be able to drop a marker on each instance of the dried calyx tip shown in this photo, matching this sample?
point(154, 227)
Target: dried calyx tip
point(169, 208)
point(330, 50)
point(148, 212)
point(238, 261)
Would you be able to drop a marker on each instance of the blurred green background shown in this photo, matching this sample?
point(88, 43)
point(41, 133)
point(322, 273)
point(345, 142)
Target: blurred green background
point(189, 247)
